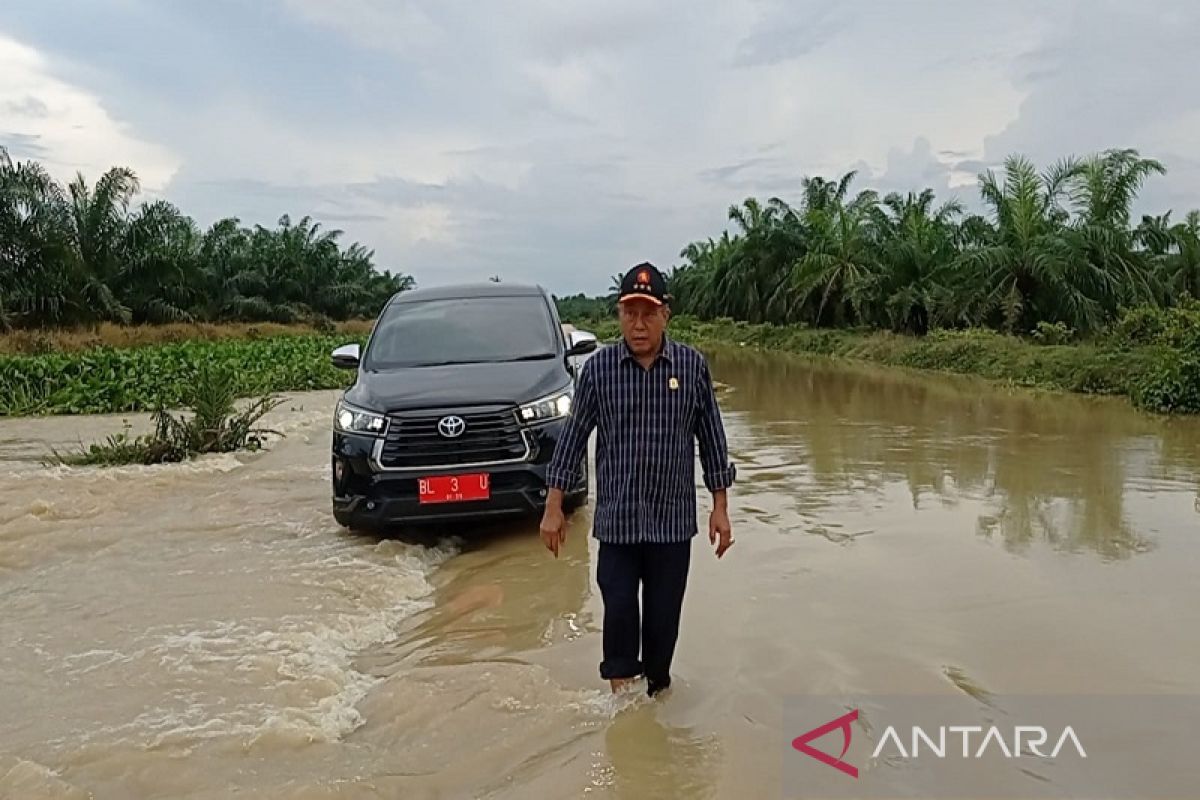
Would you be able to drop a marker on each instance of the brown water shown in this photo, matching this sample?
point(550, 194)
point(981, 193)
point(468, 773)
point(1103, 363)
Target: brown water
point(206, 630)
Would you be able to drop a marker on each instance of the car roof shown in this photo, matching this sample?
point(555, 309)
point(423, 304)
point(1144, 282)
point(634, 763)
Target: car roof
point(467, 291)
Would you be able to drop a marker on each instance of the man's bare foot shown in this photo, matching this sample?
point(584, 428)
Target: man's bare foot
point(619, 684)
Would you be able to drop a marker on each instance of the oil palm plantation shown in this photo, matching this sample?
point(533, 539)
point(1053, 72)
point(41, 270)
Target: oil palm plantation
point(1050, 246)
point(85, 254)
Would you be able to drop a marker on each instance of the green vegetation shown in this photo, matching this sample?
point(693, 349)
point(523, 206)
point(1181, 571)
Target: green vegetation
point(1053, 286)
point(1150, 356)
point(580, 307)
point(81, 255)
point(1054, 247)
point(216, 426)
point(112, 380)
point(40, 341)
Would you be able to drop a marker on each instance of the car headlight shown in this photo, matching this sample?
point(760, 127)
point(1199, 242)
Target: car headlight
point(555, 406)
point(349, 419)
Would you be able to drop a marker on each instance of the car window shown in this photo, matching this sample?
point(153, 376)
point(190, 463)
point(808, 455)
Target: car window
point(461, 331)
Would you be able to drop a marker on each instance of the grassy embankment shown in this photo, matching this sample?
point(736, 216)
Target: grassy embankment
point(1152, 357)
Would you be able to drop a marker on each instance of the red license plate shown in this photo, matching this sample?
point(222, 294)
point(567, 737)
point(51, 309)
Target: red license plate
point(454, 488)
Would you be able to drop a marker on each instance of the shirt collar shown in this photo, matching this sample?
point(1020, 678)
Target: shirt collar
point(667, 352)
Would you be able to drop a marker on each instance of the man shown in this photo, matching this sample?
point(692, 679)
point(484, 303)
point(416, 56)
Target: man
point(649, 399)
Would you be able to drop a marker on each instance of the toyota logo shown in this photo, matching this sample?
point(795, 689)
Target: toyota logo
point(452, 427)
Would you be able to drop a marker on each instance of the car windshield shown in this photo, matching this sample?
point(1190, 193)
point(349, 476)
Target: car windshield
point(461, 331)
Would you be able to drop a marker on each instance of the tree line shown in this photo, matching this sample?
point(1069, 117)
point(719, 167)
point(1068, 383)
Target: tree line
point(1053, 247)
point(1057, 246)
point(80, 254)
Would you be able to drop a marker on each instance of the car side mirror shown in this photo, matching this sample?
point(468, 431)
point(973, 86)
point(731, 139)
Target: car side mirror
point(346, 357)
point(582, 343)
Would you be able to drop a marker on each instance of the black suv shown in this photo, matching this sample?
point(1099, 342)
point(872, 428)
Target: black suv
point(460, 396)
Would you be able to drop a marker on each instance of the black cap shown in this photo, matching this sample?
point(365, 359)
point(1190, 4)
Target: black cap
point(646, 282)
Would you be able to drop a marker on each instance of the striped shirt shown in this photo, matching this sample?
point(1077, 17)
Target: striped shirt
point(647, 424)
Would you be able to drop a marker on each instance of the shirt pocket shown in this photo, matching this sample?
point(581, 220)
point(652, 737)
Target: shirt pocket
point(680, 404)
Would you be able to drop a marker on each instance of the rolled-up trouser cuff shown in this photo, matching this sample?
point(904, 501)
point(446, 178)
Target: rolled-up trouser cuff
point(611, 668)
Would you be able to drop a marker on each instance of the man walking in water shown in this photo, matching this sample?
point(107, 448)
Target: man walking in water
point(650, 399)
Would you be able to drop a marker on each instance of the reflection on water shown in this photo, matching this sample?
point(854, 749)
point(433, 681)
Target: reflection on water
point(1051, 468)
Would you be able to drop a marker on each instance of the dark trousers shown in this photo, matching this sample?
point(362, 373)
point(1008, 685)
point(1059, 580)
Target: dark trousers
point(660, 571)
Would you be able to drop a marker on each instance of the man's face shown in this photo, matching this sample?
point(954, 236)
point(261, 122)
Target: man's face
point(642, 325)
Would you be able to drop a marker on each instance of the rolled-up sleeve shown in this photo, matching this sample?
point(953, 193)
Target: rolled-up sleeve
point(719, 471)
point(563, 472)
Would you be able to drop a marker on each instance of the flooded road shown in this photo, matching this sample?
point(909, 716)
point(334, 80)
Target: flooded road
point(207, 630)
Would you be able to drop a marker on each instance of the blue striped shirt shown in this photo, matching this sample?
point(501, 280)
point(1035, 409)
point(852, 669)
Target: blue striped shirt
point(647, 424)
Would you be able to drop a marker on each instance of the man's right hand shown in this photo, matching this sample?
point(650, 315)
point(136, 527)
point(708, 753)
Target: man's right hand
point(554, 523)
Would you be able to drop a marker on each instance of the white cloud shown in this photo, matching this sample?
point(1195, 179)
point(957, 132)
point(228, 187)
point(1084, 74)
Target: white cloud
point(561, 140)
point(66, 128)
point(395, 25)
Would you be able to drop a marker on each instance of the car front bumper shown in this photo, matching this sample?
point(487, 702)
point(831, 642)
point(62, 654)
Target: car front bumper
point(369, 497)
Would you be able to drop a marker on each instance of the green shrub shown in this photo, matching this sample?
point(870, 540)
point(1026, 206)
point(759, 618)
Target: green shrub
point(1178, 326)
point(1052, 333)
point(1171, 384)
point(215, 426)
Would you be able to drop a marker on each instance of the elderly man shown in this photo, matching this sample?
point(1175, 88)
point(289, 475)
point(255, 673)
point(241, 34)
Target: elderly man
point(650, 400)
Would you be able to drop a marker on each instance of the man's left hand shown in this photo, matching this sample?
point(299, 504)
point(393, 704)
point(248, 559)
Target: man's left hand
point(719, 528)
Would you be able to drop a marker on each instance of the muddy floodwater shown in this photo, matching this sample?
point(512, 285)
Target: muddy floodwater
point(207, 631)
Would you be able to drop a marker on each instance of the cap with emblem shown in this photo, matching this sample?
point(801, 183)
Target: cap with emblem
point(644, 282)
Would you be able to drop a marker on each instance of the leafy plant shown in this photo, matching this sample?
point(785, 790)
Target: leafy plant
point(1052, 333)
point(215, 426)
point(114, 380)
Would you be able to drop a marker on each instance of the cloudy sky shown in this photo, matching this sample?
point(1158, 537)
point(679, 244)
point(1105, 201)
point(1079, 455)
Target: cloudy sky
point(561, 141)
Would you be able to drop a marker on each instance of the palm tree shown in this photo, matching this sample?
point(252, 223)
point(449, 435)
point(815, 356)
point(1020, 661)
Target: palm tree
point(1032, 267)
point(917, 245)
point(840, 269)
point(1103, 195)
point(1180, 267)
point(43, 282)
point(706, 284)
point(157, 276)
point(97, 228)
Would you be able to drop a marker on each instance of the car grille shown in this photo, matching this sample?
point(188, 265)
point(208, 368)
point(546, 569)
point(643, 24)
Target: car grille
point(413, 440)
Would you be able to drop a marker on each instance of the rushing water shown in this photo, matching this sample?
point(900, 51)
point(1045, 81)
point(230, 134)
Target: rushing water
point(206, 629)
